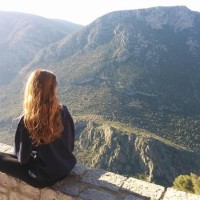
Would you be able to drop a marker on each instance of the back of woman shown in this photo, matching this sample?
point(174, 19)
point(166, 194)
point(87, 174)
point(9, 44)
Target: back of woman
point(44, 140)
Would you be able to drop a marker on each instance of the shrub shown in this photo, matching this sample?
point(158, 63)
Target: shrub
point(188, 183)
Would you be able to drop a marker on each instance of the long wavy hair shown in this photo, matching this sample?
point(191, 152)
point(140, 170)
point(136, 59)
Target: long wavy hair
point(42, 116)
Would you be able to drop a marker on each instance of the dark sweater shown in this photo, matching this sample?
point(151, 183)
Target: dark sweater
point(51, 161)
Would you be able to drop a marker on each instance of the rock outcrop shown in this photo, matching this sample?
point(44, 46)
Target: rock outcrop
point(132, 154)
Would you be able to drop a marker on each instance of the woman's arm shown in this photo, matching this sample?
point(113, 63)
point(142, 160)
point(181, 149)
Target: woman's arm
point(69, 128)
point(23, 146)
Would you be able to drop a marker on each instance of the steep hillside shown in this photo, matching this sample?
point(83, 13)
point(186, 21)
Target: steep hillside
point(139, 67)
point(22, 36)
point(132, 154)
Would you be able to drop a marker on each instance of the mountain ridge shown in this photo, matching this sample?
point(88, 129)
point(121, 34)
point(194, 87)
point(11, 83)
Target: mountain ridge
point(22, 35)
point(96, 54)
point(115, 56)
point(137, 68)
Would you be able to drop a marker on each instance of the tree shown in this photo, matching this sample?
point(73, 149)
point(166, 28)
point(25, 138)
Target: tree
point(196, 183)
point(188, 183)
point(184, 183)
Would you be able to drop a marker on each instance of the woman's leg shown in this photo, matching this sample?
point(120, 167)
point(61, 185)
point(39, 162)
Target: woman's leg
point(10, 165)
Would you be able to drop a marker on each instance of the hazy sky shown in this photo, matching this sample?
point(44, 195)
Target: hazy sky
point(85, 11)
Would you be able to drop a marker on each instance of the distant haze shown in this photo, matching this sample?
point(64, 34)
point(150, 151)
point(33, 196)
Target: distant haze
point(84, 12)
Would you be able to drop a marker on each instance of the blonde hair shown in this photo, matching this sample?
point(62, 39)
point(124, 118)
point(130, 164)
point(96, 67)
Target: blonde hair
point(42, 116)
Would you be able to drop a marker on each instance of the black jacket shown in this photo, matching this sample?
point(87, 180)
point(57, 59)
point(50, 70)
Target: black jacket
point(51, 161)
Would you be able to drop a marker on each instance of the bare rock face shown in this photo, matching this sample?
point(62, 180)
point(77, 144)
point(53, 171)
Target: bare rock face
point(181, 18)
point(132, 154)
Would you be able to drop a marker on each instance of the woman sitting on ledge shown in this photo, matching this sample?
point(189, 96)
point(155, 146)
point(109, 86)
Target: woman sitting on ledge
point(44, 139)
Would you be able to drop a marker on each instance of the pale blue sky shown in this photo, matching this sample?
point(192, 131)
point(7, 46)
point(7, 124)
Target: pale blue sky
point(86, 11)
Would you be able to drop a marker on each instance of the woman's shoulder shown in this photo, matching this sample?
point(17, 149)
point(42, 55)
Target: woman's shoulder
point(66, 117)
point(65, 111)
point(64, 108)
point(20, 120)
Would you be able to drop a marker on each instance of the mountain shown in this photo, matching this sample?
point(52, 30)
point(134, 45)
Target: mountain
point(132, 154)
point(139, 67)
point(136, 71)
point(22, 36)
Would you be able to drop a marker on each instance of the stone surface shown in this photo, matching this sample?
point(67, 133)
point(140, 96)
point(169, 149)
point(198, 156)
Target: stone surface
point(29, 190)
point(17, 196)
point(89, 184)
point(3, 189)
point(130, 197)
point(79, 170)
point(6, 148)
point(49, 194)
point(102, 178)
point(173, 194)
point(92, 194)
point(53, 195)
point(8, 181)
point(70, 190)
point(143, 188)
point(3, 197)
point(70, 185)
point(63, 197)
